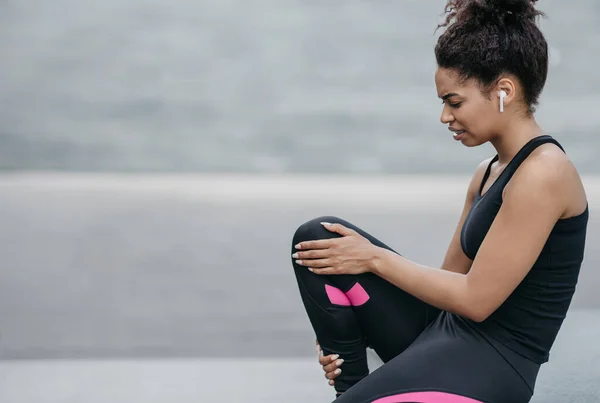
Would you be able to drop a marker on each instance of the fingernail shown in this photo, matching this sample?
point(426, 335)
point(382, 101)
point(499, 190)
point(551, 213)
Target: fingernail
point(335, 357)
point(325, 223)
point(298, 246)
point(337, 371)
point(311, 270)
point(299, 262)
point(295, 255)
point(331, 382)
point(339, 362)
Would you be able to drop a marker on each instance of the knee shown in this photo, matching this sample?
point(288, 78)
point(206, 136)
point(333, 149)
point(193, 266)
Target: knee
point(313, 229)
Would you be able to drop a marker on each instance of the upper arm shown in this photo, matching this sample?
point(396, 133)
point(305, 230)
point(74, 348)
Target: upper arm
point(533, 202)
point(455, 259)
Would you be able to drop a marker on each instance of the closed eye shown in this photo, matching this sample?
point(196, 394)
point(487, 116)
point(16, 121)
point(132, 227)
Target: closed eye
point(453, 105)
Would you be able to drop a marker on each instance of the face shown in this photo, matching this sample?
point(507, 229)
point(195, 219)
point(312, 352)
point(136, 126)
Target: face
point(469, 114)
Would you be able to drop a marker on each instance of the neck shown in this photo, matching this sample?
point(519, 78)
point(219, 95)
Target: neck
point(516, 134)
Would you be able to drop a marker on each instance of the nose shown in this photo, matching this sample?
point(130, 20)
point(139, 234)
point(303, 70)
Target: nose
point(446, 117)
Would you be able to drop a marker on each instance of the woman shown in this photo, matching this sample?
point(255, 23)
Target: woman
point(478, 328)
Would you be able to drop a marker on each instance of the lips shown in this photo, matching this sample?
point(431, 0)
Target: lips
point(457, 133)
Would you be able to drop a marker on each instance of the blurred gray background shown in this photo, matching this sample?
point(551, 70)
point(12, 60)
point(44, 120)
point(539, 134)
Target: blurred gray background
point(156, 157)
point(259, 86)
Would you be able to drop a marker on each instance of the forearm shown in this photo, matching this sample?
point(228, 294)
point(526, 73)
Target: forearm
point(443, 289)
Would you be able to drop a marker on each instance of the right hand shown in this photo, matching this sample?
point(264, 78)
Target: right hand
point(330, 364)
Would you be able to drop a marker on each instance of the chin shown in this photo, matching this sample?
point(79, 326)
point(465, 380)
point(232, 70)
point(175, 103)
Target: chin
point(470, 144)
point(469, 141)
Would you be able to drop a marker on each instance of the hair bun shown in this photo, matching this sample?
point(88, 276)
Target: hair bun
point(503, 9)
point(499, 12)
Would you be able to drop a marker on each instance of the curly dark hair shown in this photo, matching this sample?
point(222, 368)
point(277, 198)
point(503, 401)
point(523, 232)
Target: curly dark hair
point(487, 38)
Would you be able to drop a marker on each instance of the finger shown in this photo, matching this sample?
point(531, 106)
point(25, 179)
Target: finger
point(324, 271)
point(334, 374)
point(326, 360)
point(334, 365)
point(339, 229)
point(312, 254)
point(315, 263)
point(318, 244)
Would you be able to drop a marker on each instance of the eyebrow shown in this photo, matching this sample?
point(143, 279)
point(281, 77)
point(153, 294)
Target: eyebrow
point(448, 95)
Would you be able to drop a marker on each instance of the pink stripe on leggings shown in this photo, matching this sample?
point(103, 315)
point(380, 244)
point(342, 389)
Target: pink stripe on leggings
point(336, 296)
point(357, 295)
point(426, 397)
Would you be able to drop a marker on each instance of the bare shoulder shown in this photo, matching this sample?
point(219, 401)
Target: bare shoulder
point(548, 171)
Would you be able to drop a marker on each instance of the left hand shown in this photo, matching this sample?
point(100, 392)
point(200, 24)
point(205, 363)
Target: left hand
point(350, 254)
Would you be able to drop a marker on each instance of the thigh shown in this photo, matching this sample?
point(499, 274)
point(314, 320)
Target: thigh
point(390, 318)
point(448, 362)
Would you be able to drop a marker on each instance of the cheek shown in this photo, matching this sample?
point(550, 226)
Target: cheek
point(475, 120)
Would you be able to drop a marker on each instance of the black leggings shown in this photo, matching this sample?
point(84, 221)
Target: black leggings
point(429, 356)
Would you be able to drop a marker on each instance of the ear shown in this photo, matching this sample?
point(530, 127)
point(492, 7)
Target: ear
point(509, 87)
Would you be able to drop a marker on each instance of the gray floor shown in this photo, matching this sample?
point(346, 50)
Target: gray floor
point(125, 293)
point(572, 375)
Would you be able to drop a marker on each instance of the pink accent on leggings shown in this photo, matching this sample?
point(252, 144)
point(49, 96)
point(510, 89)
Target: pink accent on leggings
point(336, 296)
point(426, 397)
point(357, 295)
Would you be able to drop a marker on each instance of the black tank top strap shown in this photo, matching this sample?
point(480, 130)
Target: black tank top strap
point(517, 160)
point(524, 152)
point(487, 173)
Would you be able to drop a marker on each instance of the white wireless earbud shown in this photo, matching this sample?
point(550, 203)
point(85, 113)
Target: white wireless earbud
point(502, 95)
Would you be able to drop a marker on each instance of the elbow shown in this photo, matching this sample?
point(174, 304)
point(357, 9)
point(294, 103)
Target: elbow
point(478, 315)
point(478, 311)
point(476, 306)
point(472, 313)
